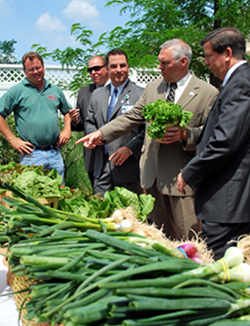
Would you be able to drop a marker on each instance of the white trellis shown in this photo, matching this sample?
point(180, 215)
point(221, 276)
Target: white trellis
point(10, 74)
point(13, 73)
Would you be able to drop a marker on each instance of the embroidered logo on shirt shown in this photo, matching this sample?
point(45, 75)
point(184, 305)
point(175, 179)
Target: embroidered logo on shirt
point(52, 97)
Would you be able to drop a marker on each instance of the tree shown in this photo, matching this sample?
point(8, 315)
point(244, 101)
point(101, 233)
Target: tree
point(7, 51)
point(151, 24)
point(78, 57)
point(154, 22)
point(7, 153)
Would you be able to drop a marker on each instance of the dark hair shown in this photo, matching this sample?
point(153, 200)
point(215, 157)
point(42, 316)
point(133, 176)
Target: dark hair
point(31, 55)
point(115, 52)
point(227, 37)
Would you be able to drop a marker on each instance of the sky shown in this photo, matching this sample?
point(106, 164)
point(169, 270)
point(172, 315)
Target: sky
point(48, 22)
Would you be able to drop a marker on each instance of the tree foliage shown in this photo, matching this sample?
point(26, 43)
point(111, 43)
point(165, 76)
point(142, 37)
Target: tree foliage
point(7, 51)
point(154, 22)
point(151, 24)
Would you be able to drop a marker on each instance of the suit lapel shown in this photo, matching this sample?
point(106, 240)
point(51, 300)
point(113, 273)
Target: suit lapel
point(190, 92)
point(162, 90)
point(105, 101)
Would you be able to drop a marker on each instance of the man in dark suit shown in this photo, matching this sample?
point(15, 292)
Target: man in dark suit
point(161, 163)
point(117, 164)
point(220, 172)
point(99, 75)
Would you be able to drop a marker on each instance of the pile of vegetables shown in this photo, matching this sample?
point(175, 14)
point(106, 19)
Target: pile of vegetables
point(96, 206)
point(97, 215)
point(103, 278)
point(86, 271)
point(38, 182)
point(161, 113)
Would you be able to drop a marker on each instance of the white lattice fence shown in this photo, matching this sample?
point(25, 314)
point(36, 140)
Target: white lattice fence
point(13, 73)
point(143, 76)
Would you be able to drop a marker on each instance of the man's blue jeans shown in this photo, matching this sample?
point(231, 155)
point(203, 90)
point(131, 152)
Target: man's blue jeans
point(51, 159)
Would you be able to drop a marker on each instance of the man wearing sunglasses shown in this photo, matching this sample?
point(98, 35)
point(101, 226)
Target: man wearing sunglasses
point(98, 72)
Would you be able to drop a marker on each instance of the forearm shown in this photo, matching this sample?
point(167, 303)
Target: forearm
point(67, 123)
point(5, 130)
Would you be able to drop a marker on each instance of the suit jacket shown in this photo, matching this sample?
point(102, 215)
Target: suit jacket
point(221, 170)
point(97, 116)
point(163, 162)
point(82, 103)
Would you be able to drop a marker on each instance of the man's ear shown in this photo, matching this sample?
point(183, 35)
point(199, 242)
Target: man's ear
point(228, 54)
point(183, 61)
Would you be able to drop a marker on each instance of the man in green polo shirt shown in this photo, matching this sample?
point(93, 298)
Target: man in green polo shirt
point(35, 103)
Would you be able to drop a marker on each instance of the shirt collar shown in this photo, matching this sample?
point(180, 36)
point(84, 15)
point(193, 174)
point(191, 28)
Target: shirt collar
point(107, 83)
point(231, 70)
point(184, 81)
point(26, 82)
point(120, 88)
point(181, 85)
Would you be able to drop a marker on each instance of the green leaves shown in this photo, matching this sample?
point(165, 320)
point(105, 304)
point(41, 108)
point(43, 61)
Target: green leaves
point(160, 113)
point(97, 207)
point(121, 198)
point(38, 182)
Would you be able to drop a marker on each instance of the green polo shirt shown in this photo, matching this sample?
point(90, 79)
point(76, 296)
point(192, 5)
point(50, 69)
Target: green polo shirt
point(35, 111)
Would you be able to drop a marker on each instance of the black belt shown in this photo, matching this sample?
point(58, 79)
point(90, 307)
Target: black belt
point(46, 148)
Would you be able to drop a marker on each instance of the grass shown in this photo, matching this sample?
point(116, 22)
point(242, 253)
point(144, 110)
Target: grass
point(76, 175)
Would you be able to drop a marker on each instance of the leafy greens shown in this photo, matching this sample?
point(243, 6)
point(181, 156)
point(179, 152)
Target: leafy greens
point(97, 207)
point(160, 113)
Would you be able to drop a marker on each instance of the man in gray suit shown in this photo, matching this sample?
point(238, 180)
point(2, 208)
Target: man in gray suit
point(161, 163)
point(99, 75)
point(118, 163)
point(220, 172)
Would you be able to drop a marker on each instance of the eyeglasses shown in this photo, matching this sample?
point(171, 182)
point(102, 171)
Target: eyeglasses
point(95, 68)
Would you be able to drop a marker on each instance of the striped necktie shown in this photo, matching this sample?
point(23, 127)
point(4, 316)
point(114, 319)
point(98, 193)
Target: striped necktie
point(171, 94)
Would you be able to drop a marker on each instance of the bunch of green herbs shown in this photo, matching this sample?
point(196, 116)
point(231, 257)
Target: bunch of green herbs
point(160, 113)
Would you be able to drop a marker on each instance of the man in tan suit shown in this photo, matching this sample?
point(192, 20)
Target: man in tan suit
point(161, 162)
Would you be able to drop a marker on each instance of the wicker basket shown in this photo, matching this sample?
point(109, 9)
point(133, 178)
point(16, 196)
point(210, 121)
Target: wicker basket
point(20, 283)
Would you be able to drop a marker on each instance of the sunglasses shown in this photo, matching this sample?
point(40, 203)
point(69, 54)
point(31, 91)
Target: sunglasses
point(95, 68)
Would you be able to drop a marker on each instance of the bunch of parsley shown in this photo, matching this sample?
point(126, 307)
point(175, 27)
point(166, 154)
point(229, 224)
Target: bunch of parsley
point(160, 113)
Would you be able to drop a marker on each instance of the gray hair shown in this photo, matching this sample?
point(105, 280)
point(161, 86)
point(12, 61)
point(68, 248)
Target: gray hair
point(180, 49)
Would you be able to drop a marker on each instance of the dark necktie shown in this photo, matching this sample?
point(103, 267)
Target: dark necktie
point(112, 103)
point(171, 94)
point(110, 110)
